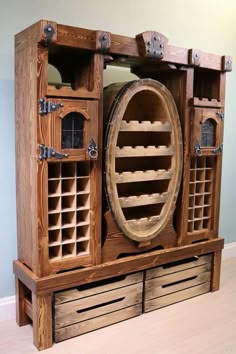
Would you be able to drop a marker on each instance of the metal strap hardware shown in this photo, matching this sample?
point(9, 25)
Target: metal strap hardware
point(49, 152)
point(48, 107)
point(218, 149)
point(220, 115)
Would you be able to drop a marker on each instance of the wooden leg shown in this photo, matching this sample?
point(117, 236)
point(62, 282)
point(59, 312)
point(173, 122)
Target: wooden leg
point(21, 318)
point(216, 264)
point(42, 320)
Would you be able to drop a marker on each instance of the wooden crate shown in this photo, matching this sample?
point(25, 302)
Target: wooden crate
point(92, 306)
point(177, 281)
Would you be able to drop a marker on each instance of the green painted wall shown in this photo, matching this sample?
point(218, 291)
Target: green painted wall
point(206, 25)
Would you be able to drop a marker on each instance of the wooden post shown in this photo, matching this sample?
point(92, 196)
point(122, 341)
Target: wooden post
point(216, 264)
point(21, 318)
point(42, 320)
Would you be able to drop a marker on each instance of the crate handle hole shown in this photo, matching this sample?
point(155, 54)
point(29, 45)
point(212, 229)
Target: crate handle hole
point(100, 305)
point(179, 281)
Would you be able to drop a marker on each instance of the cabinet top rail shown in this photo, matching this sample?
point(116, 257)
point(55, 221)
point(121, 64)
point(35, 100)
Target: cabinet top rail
point(146, 48)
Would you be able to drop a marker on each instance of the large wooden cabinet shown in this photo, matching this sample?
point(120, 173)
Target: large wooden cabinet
point(113, 202)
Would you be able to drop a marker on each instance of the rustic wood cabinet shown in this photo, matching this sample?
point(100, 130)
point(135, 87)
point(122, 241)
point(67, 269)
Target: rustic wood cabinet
point(114, 187)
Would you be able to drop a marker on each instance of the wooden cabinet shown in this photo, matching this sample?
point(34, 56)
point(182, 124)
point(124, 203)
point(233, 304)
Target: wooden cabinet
point(59, 182)
point(104, 197)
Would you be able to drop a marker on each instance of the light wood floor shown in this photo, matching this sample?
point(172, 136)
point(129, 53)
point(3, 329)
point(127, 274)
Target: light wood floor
point(205, 324)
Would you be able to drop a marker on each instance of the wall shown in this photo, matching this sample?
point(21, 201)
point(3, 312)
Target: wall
point(206, 25)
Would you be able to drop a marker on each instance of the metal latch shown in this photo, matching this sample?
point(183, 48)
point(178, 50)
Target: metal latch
point(198, 150)
point(92, 149)
point(48, 152)
point(48, 107)
point(218, 149)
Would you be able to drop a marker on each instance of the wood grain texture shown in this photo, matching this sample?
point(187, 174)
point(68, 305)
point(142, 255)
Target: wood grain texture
point(170, 299)
point(117, 245)
point(107, 270)
point(97, 322)
point(42, 321)
point(171, 283)
point(97, 288)
point(185, 264)
point(97, 305)
point(125, 108)
point(216, 267)
point(22, 318)
point(26, 155)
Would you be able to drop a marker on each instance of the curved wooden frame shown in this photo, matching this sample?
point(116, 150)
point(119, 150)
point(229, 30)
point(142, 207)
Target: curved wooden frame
point(149, 229)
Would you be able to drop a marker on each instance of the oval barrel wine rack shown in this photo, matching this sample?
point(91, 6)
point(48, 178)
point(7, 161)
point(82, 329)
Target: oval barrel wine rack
point(143, 156)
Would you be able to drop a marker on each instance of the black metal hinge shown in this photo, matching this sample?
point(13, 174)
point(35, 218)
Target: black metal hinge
point(48, 152)
point(220, 115)
point(48, 107)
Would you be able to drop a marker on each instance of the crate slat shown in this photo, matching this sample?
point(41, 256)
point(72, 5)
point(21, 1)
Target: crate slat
point(177, 281)
point(97, 322)
point(178, 266)
point(95, 288)
point(97, 305)
point(170, 299)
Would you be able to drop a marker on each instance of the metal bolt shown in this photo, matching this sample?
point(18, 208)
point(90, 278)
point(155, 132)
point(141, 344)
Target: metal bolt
point(228, 62)
point(53, 106)
point(161, 46)
point(161, 54)
point(104, 37)
point(155, 38)
point(196, 55)
point(41, 100)
point(49, 29)
point(155, 52)
point(61, 105)
point(148, 43)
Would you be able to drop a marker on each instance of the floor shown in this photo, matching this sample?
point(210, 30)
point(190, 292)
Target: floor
point(205, 324)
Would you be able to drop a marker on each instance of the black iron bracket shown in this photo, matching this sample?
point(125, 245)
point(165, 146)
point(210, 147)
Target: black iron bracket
point(151, 44)
point(49, 152)
point(104, 41)
point(49, 32)
point(48, 107)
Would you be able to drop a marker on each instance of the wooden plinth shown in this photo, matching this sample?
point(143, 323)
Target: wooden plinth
point(34, 294)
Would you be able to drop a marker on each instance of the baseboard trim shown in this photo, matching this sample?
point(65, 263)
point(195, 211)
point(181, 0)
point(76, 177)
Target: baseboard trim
point(229, 250)
point(8, 304)
point(7, 308)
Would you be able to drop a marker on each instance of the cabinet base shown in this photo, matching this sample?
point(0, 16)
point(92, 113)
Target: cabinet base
point(34, 295)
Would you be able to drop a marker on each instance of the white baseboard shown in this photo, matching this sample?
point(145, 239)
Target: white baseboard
point(229, 250)
point(7, 304)
point(7, 308)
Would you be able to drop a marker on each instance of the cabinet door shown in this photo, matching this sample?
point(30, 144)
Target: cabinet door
point(73, 130)
point(73, 202)
point(206, 132)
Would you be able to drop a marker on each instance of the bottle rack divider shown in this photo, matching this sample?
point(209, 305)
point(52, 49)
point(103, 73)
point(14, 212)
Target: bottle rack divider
point(68, 209)
point(200, 194)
